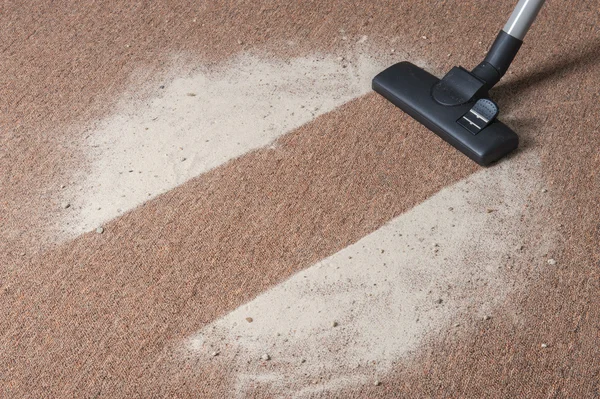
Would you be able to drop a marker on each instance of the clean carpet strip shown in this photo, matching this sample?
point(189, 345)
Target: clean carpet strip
point(202, 121)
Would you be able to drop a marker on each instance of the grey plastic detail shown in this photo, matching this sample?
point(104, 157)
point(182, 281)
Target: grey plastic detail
point(485, 109)
point(522, 17)
point(479, 116)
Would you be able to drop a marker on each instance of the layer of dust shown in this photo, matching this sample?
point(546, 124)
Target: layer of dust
point(199, 122)
point(102, 315)
point(349, 318)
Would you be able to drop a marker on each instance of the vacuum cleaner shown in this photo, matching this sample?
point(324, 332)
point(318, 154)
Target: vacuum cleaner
point(458, 108)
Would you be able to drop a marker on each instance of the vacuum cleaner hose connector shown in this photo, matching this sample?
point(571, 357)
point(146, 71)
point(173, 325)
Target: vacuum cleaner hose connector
point(498, 59)
point(508, 42)
point(503, 52)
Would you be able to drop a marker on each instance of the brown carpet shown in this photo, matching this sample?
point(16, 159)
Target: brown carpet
point(101, 316)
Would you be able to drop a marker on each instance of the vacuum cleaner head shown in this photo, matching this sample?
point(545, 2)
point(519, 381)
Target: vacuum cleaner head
point(455, 108)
